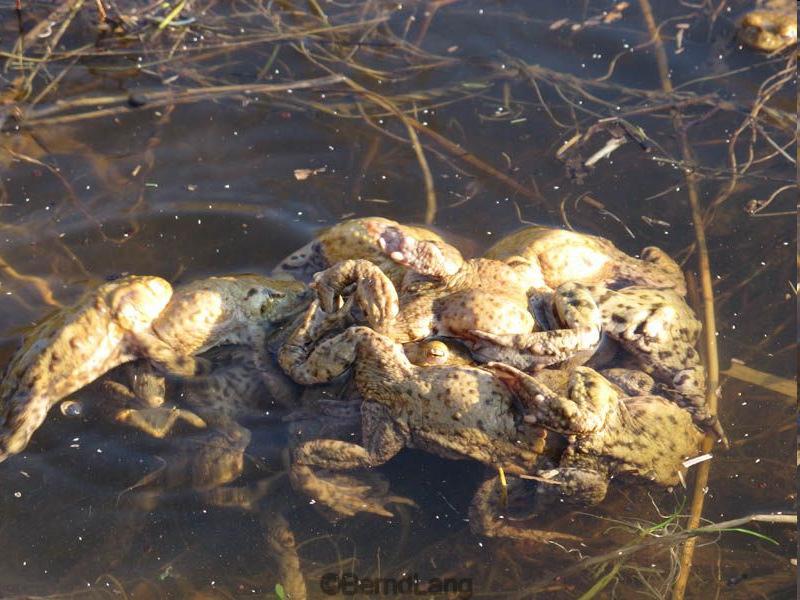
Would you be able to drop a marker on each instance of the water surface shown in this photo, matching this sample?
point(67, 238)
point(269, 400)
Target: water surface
point(182, 189)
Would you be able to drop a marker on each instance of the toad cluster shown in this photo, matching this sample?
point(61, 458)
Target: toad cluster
point(555, 359)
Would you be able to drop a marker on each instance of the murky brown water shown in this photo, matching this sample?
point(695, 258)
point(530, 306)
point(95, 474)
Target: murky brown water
point(195, 188)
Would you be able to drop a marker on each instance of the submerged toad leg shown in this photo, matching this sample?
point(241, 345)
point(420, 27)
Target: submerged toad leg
point(383, 438)
point(575, 309)
point(139, 401)
point(487, 513)
point(280, 541)
point(140, 404)
point(579, 481)
point(155, 421)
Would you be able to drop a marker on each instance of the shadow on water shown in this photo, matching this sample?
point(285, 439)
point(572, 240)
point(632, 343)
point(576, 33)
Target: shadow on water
point(219, 137)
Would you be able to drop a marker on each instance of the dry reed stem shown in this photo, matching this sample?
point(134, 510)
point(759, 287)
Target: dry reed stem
point(121, 103)
point(707, 290)
point(28, 83)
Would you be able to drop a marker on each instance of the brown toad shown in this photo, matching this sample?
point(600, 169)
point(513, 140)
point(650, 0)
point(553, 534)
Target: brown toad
point(546, 257)
point(134, 317)
point(611, 434)
point(106, 327)
point(456, 411)
point(658, 330)
point(771, 27)
point(442, 294)
point(351, 239)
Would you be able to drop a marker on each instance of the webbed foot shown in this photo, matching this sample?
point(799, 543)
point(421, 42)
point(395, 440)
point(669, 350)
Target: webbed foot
point(589, 401)
point(157, 421)
point(343, 494)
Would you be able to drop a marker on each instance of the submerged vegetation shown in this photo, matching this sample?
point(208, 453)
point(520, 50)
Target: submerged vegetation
point(107, 89)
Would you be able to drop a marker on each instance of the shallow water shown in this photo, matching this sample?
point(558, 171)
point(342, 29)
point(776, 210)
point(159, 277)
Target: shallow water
point(203, 187)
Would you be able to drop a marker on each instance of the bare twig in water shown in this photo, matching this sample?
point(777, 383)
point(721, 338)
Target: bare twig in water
point(122, 103)
point(430, 192)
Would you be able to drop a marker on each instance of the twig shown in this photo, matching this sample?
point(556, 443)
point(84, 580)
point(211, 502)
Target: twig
point(430, 193)
point(664, 540)
point(473, 160)
point(451, 147)
point(28, 83)
point(121, 103)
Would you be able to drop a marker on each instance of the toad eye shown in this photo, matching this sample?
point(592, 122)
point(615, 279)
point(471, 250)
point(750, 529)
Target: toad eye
point(276, 294)
point(517, 261)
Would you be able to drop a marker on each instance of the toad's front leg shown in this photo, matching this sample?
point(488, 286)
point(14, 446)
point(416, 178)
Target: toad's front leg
point(590, 402)
point(309, 364)
point(578, 323)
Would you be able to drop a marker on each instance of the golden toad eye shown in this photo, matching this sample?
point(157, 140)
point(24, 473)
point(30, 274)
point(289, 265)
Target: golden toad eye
point(437, 352)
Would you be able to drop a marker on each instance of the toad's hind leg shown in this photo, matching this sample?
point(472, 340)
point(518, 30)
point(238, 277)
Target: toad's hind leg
point(382, 441)
point(488, 514)
point(24, 412)
point(580, 319)
point(141, 405)
point(690, 387)
point(591, 400)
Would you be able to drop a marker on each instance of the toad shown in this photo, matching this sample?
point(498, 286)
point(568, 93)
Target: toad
point(134, 317)
point(610, 434)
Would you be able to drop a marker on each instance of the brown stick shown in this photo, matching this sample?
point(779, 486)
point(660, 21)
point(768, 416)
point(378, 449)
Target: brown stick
point(709, 320)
